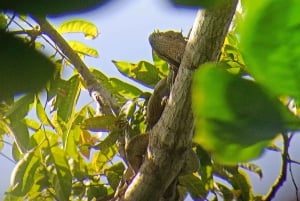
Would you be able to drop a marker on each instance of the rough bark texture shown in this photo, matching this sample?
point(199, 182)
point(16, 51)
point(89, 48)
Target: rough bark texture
point(171, 137)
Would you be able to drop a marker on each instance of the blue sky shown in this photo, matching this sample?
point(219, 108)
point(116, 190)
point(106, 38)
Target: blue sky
point(124, 29)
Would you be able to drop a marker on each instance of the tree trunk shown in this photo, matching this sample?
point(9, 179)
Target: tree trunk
point(171, 137)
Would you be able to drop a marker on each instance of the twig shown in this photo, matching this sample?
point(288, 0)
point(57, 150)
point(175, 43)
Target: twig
point(293, 178)
point(100, 94)
point(11, 160)
point(283, 172)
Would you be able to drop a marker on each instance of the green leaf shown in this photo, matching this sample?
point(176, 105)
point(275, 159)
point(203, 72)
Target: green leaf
point(271, 44)
point(108, 142)
point(96, 190)
point(66, 101)
point(200, 3)
point(72, 141)
point(63, 179)
point(161, 64)
point(252, 168)
point(101, 157)
point(100, 123)
point(235, 118)
point(114, 174)
point(32, 124)
point(128, 109)
point(206, 168)
point(242, 184)
point(53, 7)
point(22, 177)
point(22, 69)
point(41, 114)
point(126, 90)
point(81, 48)
point(89, 29)
point(16, 153)
point(19, 109)
point(3, 21)
point(121, 90)
point(227, 193)
point(194, 186)
point(143, 72)
point(21, 135)
point(38, 139)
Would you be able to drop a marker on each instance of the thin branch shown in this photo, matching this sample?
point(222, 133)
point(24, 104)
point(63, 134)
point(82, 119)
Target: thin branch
point(293, 178)
point(8, 158)
point(10, 21)
point(283, 171)
point(97, 91)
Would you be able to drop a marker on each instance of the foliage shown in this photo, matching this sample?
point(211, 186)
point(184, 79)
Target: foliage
point(55, 7)
point(66, 152)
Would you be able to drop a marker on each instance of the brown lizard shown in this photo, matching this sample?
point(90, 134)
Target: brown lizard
point(169, 46)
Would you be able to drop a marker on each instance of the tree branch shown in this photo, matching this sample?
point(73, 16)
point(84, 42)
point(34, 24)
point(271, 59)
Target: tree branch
point(100, 94)
point(283, 170)
point(171, 137)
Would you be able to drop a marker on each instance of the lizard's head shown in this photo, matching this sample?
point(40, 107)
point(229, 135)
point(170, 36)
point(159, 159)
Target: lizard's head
point(169, 45)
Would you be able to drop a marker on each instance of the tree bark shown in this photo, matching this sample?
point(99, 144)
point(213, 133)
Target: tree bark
point(171, 137)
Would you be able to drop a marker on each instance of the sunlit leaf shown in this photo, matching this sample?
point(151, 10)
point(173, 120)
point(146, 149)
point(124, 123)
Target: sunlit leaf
point(100, 123)
point(19, 109)
point(3, 21)
point(124, 89)
point(99, 75)
point(83, 49)
point(127, 110)
point(101, 157)
point(22, 177)
point(121, 90)
point(66, 101)
point(87, 140)
point(21, 135)
point(63, 178)
point(79, 26)
point(72, 141)
point(271, 56)
point(108, 142)
point(143, 72)
point(33, 124)
point(41, 114)
point(16, 153)
point(22, 69)
point(252, 168)
point(161, 64)
point(235, 118)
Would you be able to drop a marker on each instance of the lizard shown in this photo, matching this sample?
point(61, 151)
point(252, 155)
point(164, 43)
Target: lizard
point(169, 46)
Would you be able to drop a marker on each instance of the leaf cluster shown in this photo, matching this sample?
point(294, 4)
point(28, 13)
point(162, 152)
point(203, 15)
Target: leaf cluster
point(66, 152)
